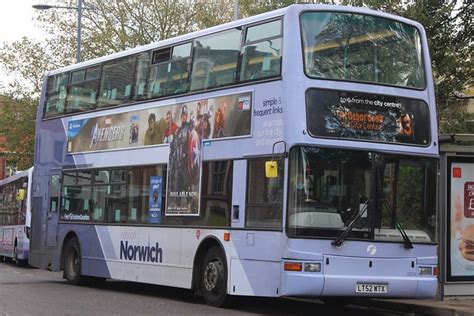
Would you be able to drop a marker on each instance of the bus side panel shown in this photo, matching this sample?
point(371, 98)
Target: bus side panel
point(7, 242)
point(254, 278)
point(255, 263)
point(23, 243)
point(93, 262)
point(142, 254)
point(8, 236)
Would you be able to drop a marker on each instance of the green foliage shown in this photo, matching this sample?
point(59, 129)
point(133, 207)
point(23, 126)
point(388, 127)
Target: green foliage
point(410, 197)
point(17, 126)
point(27, 60)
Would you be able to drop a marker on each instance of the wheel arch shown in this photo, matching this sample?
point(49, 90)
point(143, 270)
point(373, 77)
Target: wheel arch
point(70, 235)
point(204, 246)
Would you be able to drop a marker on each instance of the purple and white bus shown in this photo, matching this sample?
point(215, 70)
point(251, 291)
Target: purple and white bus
point(15, 216)
point(291, 153)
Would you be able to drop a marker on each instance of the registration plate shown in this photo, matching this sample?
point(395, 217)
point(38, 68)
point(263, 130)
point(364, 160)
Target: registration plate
point(371, 288)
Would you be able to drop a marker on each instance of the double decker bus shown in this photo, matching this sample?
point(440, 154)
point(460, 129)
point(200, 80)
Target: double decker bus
point(15, 216)
point(291, 153)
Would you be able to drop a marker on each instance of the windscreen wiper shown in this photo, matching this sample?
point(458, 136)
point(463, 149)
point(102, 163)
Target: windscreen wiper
point(338, 242)
point(406, 240)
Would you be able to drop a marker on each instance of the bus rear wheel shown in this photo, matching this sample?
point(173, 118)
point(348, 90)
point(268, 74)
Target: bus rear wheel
point(72, 262)
point(214, 277)
point(18, 262)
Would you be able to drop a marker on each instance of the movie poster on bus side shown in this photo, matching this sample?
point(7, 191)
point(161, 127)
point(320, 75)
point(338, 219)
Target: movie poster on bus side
point(210, 119)
point(220, 117)
point(461, 221)
point(182, 126)
point(154, 209)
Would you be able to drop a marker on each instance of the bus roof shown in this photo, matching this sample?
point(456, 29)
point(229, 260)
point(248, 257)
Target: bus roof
point(253, 19)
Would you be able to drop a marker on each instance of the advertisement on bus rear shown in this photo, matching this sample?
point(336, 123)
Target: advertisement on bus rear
point(461, 221)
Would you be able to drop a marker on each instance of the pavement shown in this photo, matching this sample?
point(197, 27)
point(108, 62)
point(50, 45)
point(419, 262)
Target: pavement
point(452, 306)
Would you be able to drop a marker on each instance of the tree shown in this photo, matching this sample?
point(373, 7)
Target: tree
point(17, 126)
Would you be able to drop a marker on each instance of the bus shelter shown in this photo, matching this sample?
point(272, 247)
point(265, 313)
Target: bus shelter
point(456, 194)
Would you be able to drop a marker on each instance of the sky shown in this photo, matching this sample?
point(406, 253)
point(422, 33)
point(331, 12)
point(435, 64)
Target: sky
point(16, 21)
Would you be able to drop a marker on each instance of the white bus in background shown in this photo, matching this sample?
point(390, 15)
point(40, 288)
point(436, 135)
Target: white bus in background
point(15, 216)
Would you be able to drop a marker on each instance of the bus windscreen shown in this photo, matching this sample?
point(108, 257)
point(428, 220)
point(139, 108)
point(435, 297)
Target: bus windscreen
point(356, 47)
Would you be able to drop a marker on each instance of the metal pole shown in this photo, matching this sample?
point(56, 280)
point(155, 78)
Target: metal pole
point(79, 16)
point(236, 10)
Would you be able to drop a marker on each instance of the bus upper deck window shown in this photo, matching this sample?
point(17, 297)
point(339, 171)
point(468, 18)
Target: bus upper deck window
point(83, 89)
point(261, 52)
point(169, 71)
point(215, 60)
point(56, 95)
point(116, 82)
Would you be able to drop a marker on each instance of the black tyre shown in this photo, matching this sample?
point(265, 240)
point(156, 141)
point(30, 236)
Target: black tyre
point(72, 262)
point(214, 277)
point(18, 262)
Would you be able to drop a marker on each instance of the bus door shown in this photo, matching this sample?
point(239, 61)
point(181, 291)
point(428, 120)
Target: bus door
point(239, 183)
point(44, 219)
point(255, 257)
point(53, 209)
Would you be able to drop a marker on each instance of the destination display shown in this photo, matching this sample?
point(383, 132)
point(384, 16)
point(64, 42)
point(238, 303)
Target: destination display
point(362, 116)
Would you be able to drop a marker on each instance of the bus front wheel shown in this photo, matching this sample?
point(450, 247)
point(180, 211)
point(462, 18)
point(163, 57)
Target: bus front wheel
point(72, 262)
point(214, 277)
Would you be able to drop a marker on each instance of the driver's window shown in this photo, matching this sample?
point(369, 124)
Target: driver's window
point(264, 196)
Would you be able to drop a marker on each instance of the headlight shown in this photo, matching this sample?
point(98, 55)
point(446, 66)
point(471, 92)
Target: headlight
point(312, 267)
point(425, 271)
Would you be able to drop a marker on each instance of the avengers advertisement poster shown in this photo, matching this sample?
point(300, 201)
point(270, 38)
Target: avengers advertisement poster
point(183, 126)
point(226, 116)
